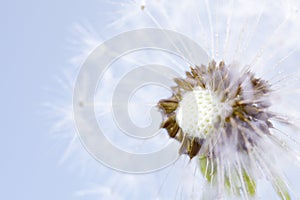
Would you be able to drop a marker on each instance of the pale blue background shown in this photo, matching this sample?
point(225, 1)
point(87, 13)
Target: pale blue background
point(33, 49)
point(33, 37)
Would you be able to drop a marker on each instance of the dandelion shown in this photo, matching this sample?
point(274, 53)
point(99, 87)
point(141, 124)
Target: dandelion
point(223, 118)
point(224, 114)
point(235, 117)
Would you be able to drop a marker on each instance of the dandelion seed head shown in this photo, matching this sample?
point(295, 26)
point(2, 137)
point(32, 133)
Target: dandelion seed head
point(223, 119)
point(240, 142)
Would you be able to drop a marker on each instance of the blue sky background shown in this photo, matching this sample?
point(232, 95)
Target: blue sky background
point(33, 51)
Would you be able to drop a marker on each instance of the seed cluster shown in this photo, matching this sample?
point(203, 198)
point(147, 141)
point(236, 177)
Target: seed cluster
point(197, 113)
point(212, 100)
